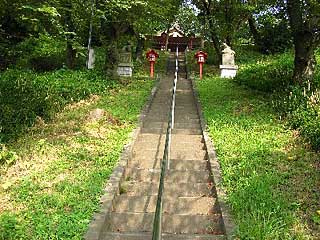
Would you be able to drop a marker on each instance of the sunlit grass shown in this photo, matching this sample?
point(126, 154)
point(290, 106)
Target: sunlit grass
point(272, 179)
point(54, 186)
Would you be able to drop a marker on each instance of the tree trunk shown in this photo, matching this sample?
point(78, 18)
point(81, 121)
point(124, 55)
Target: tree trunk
point(139, 48)
point(71, 55)
point(254, 31)
point(112, 53)
point(304, 61)
point(112, 58)
point(304, 44)
point(228, 8)
point(70, 52)
point(216, 41)
point(217, 47)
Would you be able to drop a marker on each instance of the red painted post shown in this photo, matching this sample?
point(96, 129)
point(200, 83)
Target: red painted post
point(152, 57)
point(151, 69)
point(201, 58)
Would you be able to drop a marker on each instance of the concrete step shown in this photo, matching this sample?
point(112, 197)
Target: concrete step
point(186, 138)
point(184, 118)
point(179, 113)
point(179, 154)
point(175, 176)
point(152, 138)
point(166, 108)
point(167, 104)
point(174, 131)
point(193, 165)
point(164, 125)
point(178, 107)
point(184, 121)
point(177, 224)
point(180, 205)
point(160, 138)
point(132, 188)
point(176, 150)
point(182, 96)
point(158, 144)
point(167, 101)
point(148, 236)
point(184, 91)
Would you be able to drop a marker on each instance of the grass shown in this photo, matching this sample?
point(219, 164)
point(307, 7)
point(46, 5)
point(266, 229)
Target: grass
point(53, 186)
point(271, 177)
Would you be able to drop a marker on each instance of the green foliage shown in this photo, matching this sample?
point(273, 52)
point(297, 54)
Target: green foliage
point(26, 95)
point(268, 74)
point(6, 156)
point(8, 226)
point(188, 21)
point(44, 53)
point(212, 55)
point(273, 27)
point(275, 37)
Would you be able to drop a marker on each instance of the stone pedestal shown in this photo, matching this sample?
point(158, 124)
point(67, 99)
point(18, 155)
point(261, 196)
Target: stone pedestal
point(125, 67)
point(228, 71)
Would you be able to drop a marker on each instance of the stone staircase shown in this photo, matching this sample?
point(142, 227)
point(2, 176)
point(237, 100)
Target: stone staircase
point(190, 209)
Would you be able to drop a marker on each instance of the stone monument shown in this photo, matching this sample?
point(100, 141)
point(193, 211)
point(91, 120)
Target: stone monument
point(228, 67)
point(125, 65)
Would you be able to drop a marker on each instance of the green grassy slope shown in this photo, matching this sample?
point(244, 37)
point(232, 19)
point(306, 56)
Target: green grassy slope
point(272, 180)
point(53, 186)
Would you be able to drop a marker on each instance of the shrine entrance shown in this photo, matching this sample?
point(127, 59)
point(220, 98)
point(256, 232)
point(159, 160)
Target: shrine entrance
point(175, 38)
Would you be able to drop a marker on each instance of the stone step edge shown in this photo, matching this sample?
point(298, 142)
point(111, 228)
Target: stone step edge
point(112, 187)
point(148, 235)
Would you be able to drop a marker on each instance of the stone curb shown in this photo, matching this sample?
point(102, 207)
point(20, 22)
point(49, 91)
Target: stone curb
point(215, 169)
point(112, 188)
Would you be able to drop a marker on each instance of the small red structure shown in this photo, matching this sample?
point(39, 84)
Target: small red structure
point(152, 55)
point(201, 59)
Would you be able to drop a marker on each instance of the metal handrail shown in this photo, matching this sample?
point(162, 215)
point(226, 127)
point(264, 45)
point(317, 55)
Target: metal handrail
point(165, 164)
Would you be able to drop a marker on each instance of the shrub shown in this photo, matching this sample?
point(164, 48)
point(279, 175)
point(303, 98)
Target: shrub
point(24, 95)
point(275, 38)
point(271, 73)
point(301, 107)
point(45, 63)
point(44, 53)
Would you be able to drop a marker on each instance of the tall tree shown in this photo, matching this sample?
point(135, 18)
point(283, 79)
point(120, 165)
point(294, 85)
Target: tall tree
point(70, 34)
point(304, 18)
point(222, 17)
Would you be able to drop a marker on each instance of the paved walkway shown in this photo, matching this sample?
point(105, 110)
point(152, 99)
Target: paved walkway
point(190, 210)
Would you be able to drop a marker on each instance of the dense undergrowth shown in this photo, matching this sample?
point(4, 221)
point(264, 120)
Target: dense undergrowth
point(26, 95)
